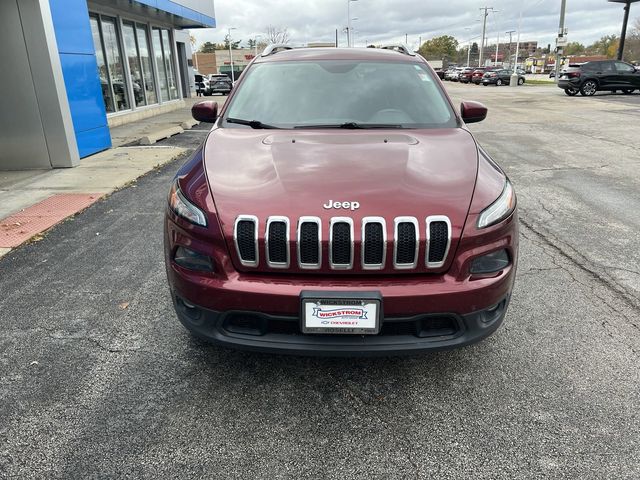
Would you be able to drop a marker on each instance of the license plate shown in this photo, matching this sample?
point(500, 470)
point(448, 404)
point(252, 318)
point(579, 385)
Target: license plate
point(341, 313)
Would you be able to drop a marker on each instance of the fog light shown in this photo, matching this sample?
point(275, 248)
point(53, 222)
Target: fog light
point(490, 263)
point(192, 260)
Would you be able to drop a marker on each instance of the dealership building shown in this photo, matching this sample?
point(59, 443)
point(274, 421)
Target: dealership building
point(74, 68)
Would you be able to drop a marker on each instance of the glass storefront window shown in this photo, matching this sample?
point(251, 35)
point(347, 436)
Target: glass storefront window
point(145, 59)
point(162, 74)
point(135, 68)
point(125, 88)
point(168, 60)
point(114, 63)
point(110, 65)
point(102, 66)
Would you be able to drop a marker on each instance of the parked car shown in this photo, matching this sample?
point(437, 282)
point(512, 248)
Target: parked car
point(500, 77)
point(602, 75)
point(279, 232)
point(465, 75)
point(476, 75)
point(450, 73)
point(217, 83)
point(440, 72)
point(455, 76)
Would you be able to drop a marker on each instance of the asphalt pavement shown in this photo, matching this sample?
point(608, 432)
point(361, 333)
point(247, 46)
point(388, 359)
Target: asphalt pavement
point(99, 380)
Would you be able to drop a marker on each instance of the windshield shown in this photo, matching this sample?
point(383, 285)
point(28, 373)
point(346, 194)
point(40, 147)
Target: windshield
point(339, 93)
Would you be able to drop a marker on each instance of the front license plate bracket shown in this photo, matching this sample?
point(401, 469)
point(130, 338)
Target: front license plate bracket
point(340, 313)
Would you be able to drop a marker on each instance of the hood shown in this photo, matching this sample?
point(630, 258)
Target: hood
point(295, 173)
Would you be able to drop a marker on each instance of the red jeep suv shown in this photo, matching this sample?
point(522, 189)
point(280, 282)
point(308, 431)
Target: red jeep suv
point(340, 206)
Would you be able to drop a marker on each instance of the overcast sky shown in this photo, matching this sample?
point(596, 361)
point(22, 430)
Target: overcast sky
point(387, 21)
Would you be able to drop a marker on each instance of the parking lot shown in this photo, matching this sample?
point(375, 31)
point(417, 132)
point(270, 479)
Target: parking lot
point(98, 379)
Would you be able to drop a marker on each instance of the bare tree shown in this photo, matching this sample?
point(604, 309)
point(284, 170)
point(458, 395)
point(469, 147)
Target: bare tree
point(277, 35)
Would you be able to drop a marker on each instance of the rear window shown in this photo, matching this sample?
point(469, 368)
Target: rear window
point(335, 92)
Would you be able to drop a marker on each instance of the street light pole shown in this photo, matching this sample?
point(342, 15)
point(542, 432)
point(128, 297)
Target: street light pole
point(484, 31)
point(233, 75)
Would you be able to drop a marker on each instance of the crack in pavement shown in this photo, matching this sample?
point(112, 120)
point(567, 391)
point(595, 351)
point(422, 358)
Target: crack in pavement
point(610, 285)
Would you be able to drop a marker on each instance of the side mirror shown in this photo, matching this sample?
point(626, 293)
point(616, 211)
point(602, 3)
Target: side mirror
point(473, 112)
point(206, 111)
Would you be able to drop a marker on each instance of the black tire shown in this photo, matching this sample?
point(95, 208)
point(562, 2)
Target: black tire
point(627, 91)
point(589, 88)
point(521, 81)
point(499, 82)
point(206, 94)
point(572, 92)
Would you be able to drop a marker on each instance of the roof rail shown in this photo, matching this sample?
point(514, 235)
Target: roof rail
point(399, 48)
point(275, 48)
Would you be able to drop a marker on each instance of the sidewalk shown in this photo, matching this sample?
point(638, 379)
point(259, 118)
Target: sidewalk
point(32, 201)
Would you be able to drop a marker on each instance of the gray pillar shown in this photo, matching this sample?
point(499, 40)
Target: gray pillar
point(36, 130)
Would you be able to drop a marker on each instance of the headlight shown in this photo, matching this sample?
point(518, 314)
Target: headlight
point(500, 209)
point(184, 208)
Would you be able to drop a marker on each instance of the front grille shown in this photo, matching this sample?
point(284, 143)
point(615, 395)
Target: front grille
point(372, 239)
point(246, 238)
point(277, 243)
point(341, 243)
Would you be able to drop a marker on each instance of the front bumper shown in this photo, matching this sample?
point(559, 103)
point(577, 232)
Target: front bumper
point(282, 334)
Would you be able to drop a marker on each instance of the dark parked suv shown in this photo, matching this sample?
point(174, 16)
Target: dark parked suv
point(608, 75)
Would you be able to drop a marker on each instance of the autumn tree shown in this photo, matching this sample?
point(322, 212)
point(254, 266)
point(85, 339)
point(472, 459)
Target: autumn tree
point(604, 45)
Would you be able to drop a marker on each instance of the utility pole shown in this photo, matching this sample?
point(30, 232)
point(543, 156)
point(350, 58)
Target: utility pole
point(559, 49)
point(484, 31)
point(233, 75)
point(510, 32)
point(497, 46)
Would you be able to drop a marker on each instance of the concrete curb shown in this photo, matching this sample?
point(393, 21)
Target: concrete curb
point(189, 123)
point(154, 137)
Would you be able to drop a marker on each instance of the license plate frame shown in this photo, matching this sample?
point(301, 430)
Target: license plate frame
point(352, 313)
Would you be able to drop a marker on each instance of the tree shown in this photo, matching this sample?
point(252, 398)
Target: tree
point(208, 47)
point(574, 48)
point(252, 42)
point(601, 47)
point(277, 35)
point(439, 47)
point(227, 40)
point(474, 48)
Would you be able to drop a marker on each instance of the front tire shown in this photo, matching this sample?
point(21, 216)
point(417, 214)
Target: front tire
point(572, 92)
point(627, 91)
point(498, 82)
point(521, 81)
point(589, 88)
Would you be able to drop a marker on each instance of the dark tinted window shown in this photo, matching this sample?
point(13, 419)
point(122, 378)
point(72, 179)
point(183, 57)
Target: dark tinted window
point(591, 66)
point(334, 92)
point(624, 67)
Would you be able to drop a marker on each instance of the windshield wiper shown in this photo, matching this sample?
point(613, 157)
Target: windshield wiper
point(251, 123)
point(353, 125)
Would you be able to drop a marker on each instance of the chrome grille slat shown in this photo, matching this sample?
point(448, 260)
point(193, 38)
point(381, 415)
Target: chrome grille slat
point(341, 243)
point(246, 240)
point(373, 243)
point(402, 245)
point(438, 240)
point(310, 258)
point(277, 242)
